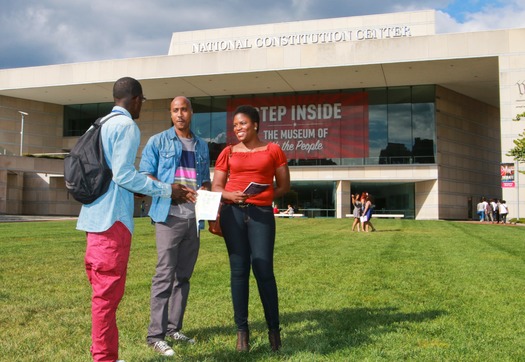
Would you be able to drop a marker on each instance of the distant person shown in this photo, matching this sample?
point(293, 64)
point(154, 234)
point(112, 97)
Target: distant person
point(175, 155)
point(289, 211)
point(485, 203)
point(480, 207)
point(368, 208)
point(276, 209)
point(247, 221)
point(488, 212)
point(358, 211)
point(503, 211)
point(108, 221)
point(496, 210)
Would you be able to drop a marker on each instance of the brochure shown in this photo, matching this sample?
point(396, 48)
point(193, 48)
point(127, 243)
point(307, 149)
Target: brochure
point(207, 205)
point(255, 188)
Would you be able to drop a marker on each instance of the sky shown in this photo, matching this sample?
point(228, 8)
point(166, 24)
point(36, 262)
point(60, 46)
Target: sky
point(45, 32)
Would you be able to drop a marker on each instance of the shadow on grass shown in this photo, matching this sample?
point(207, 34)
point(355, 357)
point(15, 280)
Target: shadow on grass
point(381, 231)
point(319, 332)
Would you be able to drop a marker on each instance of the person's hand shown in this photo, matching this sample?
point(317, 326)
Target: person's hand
point(182, 194)
point(206, 186)
point(239, 197)
point(138, 196)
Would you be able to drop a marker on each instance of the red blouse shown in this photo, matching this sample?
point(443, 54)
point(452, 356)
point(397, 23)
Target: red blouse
point(246, 167)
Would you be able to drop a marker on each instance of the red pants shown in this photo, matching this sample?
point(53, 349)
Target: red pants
point(106, 260)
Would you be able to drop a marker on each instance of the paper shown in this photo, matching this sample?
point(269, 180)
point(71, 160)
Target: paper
point(255, 188)
point(207, 205)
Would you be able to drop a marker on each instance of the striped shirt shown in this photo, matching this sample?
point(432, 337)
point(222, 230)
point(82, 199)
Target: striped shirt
point(186, 174)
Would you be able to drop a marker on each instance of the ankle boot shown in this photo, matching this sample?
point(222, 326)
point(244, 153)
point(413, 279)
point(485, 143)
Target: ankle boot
point(274, 335)
point(243, 341)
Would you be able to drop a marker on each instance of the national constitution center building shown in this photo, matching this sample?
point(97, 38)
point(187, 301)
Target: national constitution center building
point(381, 103)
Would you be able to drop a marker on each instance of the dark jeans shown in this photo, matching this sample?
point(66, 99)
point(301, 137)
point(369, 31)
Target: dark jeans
point(249, 232)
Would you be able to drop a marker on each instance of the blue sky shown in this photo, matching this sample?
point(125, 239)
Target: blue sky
point(44, 32)
point(460, 10)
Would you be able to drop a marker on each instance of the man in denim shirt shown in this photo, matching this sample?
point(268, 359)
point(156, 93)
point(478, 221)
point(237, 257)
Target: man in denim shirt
point(175, 155)
point(108, 221)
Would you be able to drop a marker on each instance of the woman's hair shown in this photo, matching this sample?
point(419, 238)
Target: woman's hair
point(250, 111)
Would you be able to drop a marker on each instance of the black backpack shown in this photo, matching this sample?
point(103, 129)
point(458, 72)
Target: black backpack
point(86, 171)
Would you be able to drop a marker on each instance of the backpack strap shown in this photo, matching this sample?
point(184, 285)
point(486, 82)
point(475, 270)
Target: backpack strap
point(103, 120)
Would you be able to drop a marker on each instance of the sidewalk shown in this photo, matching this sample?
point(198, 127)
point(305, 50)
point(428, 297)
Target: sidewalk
point(26, 218)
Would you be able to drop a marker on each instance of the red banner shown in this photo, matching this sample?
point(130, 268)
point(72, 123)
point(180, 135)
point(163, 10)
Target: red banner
point(316, 126)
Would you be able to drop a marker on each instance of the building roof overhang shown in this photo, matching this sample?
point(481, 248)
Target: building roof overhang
point(381, 63)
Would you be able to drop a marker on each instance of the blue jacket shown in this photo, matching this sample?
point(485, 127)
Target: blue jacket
point(161, 157)
point(120, 140)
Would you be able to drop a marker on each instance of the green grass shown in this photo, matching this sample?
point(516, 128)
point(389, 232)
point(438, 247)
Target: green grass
point(414, 290)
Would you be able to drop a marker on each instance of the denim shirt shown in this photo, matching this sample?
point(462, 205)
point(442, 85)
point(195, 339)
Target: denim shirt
point(160, 158)
point(120, 141)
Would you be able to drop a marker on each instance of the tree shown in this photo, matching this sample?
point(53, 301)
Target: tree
point(518, 152)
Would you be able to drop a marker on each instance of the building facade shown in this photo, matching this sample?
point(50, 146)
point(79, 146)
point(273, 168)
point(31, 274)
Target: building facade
point(379, 104)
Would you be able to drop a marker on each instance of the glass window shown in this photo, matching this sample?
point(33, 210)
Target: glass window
point(389, 198)
point(78, 117)
point(398, 149)
point(377, 124)
point(209, 122)
point(313, 198)
point(423, 124)
point(401, 124)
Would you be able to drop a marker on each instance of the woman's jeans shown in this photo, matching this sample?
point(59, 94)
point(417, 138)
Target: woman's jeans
point(249, 232)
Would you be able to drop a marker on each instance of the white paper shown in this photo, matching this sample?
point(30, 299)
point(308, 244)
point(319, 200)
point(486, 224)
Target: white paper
point(255, 188)
point(207, 206)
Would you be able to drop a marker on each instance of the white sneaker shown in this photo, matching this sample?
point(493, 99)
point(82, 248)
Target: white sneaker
point(180, 337)
point(163, 349)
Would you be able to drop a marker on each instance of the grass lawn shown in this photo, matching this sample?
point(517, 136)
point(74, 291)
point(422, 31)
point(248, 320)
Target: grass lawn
point(414, 290)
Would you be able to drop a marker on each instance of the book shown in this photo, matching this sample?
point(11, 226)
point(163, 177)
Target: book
point(255, 188)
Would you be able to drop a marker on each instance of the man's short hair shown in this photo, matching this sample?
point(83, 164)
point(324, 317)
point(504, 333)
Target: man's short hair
point(126, 87)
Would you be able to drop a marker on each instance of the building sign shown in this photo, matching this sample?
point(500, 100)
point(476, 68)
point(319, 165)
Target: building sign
point(338, 36)
point(341, 30)
point(507, 175)
point(317, 126)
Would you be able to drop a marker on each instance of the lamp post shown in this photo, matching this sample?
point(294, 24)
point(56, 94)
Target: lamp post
point(517, 173)
point(23, 114)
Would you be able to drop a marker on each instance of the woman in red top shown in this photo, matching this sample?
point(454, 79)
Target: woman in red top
point(247, 220)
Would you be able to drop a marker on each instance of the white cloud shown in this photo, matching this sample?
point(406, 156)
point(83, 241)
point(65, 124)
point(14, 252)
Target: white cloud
point(510, 15)
point(40, 32)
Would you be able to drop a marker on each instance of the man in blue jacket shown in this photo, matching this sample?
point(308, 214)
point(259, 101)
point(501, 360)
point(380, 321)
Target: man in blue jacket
point(176, 155)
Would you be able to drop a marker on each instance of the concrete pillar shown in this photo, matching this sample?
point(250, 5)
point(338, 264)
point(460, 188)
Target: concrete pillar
point(427, 201)
point(343, 200)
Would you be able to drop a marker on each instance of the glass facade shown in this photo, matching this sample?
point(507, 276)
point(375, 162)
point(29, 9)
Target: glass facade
point(402, 125)
point(389, 198)
point(400, 129)
point(78, 117)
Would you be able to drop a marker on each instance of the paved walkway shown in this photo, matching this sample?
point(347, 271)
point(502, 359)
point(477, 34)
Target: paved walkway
point(22, 218)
